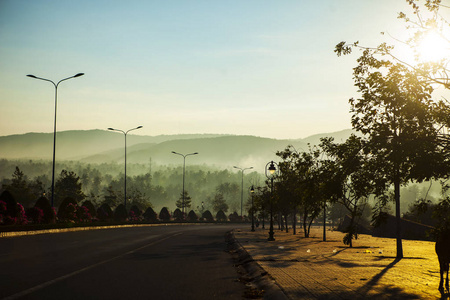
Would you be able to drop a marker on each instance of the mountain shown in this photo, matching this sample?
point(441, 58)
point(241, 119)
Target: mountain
point(99, 146)
point(76, 144)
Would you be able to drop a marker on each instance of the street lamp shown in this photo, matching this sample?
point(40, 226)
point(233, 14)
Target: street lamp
point(54, 123)
point(252, 191)
point(271, 172)
point(125, 178)
point(242, 184)
point(184, 168)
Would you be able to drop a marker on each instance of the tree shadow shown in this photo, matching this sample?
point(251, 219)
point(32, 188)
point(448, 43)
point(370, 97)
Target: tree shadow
point(390, 291)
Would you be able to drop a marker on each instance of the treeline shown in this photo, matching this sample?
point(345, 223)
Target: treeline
point(104, 183)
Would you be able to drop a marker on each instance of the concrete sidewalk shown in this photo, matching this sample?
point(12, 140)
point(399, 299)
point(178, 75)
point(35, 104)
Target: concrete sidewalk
point(309, 268)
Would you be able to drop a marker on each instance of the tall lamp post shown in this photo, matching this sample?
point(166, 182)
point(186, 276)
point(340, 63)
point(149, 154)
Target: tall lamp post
point(242, 184)
point(252, 191)
point(125, 178)
point(271, 172)
point(184, 168)
point(54, 123)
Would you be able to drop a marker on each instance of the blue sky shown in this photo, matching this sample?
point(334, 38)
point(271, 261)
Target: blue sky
point(263, 68)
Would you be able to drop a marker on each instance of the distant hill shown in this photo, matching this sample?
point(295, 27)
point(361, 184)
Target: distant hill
point(99, 146)
point(76, 144)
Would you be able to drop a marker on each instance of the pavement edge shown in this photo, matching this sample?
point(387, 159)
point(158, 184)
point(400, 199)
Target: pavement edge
point(253, 275)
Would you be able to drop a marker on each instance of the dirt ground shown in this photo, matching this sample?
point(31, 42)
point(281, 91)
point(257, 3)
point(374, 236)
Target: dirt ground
point(309, 268)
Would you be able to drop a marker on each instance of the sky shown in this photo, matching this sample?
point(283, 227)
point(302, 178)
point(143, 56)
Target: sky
point(247, 67)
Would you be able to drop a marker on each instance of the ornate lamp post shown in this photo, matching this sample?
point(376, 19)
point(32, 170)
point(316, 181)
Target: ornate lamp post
point(252, 191)
point(242, 184)
point(271, 172)
point(184, 168)
point(54, 123)
point(125, 179)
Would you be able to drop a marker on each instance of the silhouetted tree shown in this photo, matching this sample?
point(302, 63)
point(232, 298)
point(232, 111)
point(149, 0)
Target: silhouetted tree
point(150, 215)
point(67, 210)
point(220, 216)
point(135, 213)
point(104, 212)
point(11, 211)
point(187, 201)
point(192, 216)
point(120, 213)
point(207, 216)
point(91, 208)
point(219, 203)
point(164, 214)
point(68, 185)
point(49, 213)
point(177, 215)
point(234, 217)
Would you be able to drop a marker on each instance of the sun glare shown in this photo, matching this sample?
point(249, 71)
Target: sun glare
point(433, 47)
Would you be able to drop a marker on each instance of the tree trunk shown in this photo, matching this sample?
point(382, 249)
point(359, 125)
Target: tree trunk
point(286, 222)
point(294, 223)
point(397, 216)
point(305, 228)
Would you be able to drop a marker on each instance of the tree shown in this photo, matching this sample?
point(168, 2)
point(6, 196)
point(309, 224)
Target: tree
point(300, 175)
point(184, 202)
point(164, 214)
point(90, 207)
point(192, 216)
point(219, 203)
point(427, 28)
point(120, 213)
point(49, 213)
point(135, 213)
point(11, 210)
point(207, 216)
point(23, 191)
point(177, 215)
point(150, 215)
point(67, 210)
point(397, 116)
point(348, 179)
point(68, 185)
point(220, 216)
point(104, 212)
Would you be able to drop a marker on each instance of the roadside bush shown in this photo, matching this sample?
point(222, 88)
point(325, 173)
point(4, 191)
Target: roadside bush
point(164, 214)
point(67, 210)
point(10, 211)
point(220, 216)
point(135, 214)
point(35, 215)
point(178, 215)
point(104, 212)
point(150, 215)
point(91, 208)
point(207, 216)
point(192, 216)
point(120, 213)
point(49, 213)
point(234, 217)
point(21, 218)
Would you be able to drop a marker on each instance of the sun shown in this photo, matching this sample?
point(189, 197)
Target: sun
point(432, 47)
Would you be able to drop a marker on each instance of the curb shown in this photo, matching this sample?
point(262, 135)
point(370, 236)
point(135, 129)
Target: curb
point(255, 276)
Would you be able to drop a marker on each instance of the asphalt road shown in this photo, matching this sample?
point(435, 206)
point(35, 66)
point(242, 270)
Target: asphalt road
point(164, 262)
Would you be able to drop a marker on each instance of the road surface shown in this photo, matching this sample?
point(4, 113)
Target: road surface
point(161, 262)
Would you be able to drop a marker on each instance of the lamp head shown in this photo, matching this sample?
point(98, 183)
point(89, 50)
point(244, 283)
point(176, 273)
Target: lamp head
point(252, 189)
point(32, 76)
point(272, 168)
point(111, 128)
point(78, 75)
point(139, 127)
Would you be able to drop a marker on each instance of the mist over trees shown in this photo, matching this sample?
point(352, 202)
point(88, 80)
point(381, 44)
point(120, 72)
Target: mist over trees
point(104, 184)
